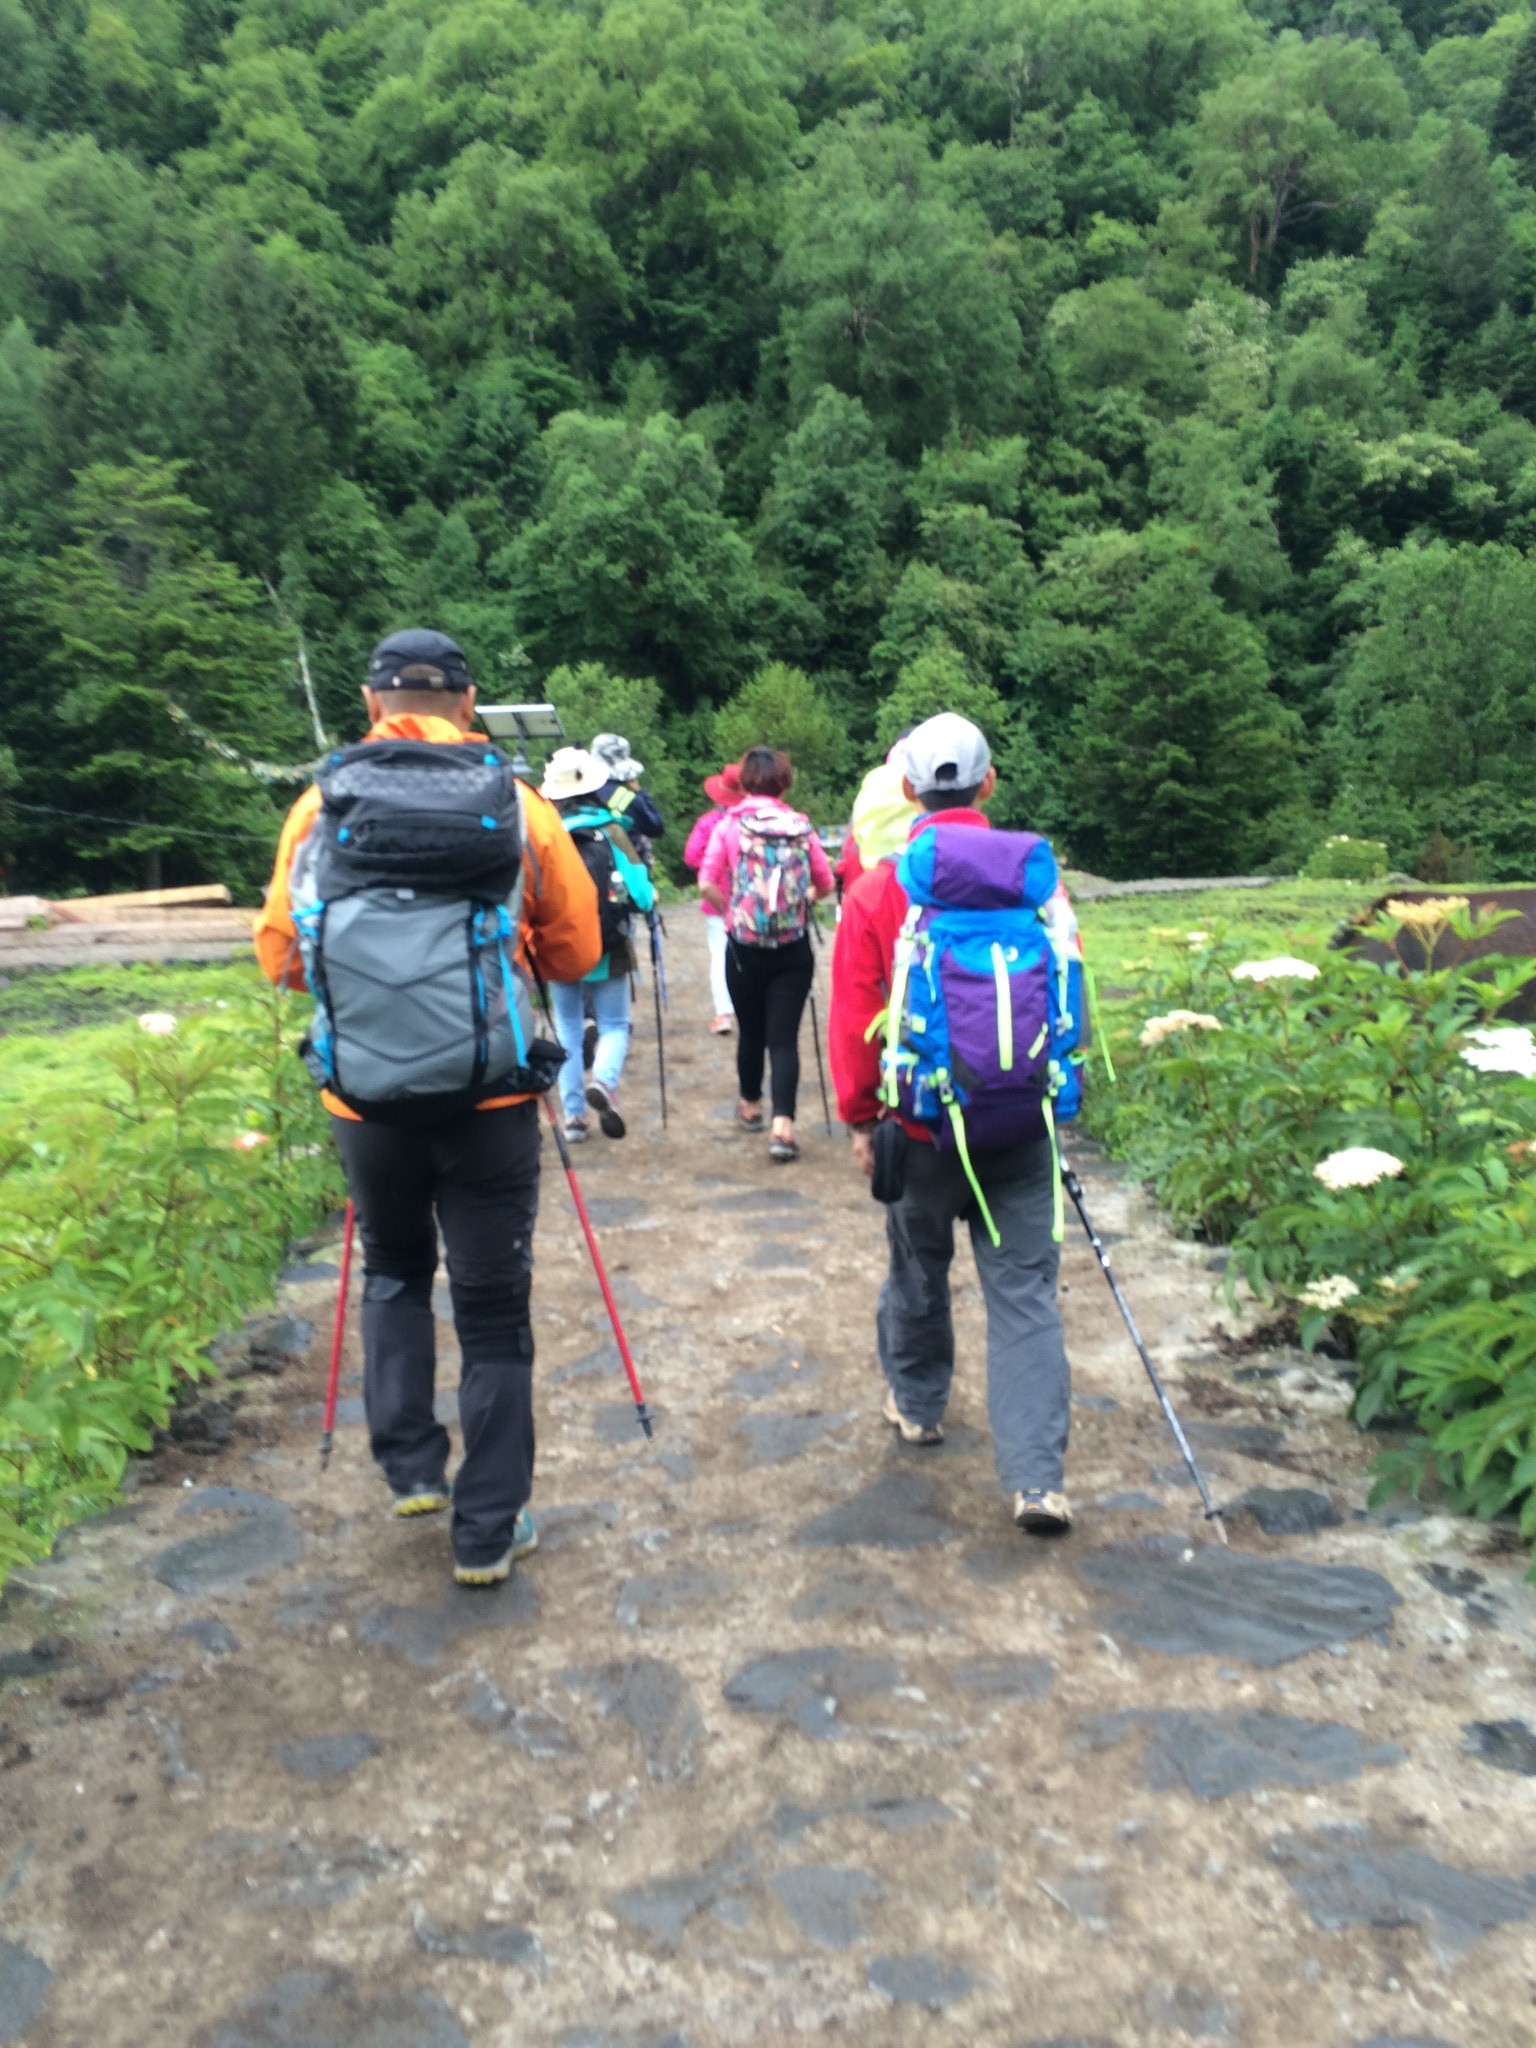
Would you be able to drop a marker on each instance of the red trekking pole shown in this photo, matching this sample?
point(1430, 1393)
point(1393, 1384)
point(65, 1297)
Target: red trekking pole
point(338, 1330)
point(597, 1262)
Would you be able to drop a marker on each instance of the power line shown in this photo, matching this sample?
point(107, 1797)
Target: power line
point(140, 824)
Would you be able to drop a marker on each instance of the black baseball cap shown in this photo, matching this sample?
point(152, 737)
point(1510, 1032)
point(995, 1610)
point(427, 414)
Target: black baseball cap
point(419, 659)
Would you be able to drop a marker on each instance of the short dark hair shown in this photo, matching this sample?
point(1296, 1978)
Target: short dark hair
point(766, 771)
point(949, 799)
point(420, 703)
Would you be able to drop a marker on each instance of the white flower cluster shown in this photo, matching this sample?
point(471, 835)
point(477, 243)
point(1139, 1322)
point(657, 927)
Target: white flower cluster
point(1357, 1166)
point(1282, 968)
point(158, 1023)
point(1401, 1282)
point(1330, 1293)
point(1196, 940)
point(1156, 1029)
point(1502, 1049)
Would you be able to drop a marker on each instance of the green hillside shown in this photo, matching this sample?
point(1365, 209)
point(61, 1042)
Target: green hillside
point(1156, 382)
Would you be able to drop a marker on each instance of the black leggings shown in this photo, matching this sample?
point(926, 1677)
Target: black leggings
point(769, 985)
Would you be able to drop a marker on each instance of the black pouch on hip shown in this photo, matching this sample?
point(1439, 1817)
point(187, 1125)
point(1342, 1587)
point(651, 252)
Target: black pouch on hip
point(888, 1182)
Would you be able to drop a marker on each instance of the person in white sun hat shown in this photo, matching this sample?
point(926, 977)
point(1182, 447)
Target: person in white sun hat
point(575, 782)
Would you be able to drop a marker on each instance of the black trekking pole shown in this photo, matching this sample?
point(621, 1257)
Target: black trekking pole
point(1074, 1188)
point(658, 988)
point(821, 1072)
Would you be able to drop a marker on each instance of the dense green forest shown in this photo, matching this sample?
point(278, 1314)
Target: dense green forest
point(1153, 379)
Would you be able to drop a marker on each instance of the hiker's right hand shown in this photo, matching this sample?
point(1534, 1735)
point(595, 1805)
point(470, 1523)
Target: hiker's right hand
point(864, 1151)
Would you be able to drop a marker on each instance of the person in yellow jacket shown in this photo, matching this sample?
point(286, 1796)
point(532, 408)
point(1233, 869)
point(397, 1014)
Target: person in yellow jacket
point(468, 1163)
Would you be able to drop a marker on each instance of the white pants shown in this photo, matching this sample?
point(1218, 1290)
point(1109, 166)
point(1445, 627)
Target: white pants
point(720, 995)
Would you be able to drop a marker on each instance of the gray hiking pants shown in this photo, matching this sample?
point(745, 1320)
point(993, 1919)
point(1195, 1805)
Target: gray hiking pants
point(1028, 1381)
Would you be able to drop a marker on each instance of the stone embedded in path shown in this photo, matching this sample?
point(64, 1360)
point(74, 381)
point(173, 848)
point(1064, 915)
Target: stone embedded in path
point(751, 1200)
point(778, 1258)
point(1461, 1582)
point(1406, 2041)
point(303, 1270)
point(657, 1596)
point(663, 1907)
point(24, 1982)
point(1222, 1603)
point(47, 1654)
point(315, 1604)
point(1248, 1439)
point(1216, 1755)
point(1506, 1745)
point(805, 1686)
point(1185, 2009)
point(657, 1702)
point(789, 1369)
point(1118, 1503)
point(617, 1422)
point(922, 1979)
point(1004, 1678)
point(901, 1510)
point(610, 1209)
point(1099, 1404)
point(1002, 1564)
point(844, 1595)
point(569, 1521)
point(603, 2037)
point(630, 1294)
point(319, 1758)
point(1287, 1510)
point(896, 1813)
point(286, 1870)
point(350, 1412)
point(488, 1943)
point(264, 1537)
point(423, 1634)
point(212, 1636)
point(773, 1438)
point(1346, 1879)
point(319, 2008)
point(591, 1365)
point(825, 1901)
point(540, 1734)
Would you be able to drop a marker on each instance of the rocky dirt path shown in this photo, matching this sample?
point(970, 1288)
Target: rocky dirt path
point(784, 1732)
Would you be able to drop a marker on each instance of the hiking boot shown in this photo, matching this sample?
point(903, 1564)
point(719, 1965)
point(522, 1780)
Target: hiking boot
point(524, 1539)
point(911, 1432)
point(576, 1132)
point(601, 1099)
point(421, 1500)
point(1042, 1514)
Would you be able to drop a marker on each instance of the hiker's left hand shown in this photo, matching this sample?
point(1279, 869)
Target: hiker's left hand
point(864, 1151)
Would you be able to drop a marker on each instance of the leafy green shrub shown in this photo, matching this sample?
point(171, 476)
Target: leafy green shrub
point(133, 1226)
point(1366, 1141)
point(1342, 859)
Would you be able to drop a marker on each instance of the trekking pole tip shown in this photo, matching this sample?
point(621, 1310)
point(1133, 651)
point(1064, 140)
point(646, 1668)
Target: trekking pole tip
point(325, 1449)
point(1214, 1518)
point(645, 1422)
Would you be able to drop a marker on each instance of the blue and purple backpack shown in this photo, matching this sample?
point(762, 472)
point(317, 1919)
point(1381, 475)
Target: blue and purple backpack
point(985, 1022)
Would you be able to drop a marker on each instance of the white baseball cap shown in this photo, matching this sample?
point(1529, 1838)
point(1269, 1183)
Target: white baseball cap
point(946, 752)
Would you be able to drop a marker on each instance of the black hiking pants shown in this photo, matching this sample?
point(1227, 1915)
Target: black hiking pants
point(768, 986)
point(476, 1178)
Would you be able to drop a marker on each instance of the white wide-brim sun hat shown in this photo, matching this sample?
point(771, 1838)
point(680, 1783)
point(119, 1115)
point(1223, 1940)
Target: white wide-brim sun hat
point(572, 771)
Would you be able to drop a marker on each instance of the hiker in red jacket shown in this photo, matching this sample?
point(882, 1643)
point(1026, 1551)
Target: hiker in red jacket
point(949, 772)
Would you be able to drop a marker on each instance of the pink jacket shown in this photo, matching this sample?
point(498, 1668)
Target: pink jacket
point(698, 845)
point(719, 863)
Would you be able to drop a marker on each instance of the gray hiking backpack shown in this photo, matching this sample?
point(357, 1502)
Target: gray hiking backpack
point(407, 898)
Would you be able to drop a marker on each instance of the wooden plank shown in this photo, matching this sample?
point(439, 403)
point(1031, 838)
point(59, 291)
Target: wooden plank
point(95, 909)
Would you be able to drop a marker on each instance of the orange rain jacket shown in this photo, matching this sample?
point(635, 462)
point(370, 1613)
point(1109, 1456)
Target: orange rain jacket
point(561, 936)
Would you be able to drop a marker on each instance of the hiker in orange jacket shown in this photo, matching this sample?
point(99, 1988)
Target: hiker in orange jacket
point(467, 1161)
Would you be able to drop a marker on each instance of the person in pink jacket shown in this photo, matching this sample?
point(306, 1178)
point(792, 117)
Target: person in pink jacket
point(764, 869)
point(724, 792)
